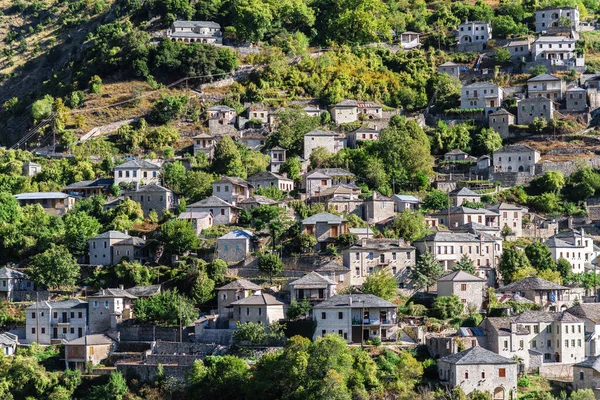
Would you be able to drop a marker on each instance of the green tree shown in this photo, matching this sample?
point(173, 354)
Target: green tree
point(292, 167)
point(465, 264)
point(165, 308)
point(252, 20)
point(203, 289)
point(95, 84)
point(540, 256)
point(435, 200)
point(538, 124)
point(550, 182)
point(583, 394)
point(381, 284)
point(502, 56)
point(161, 137)
point(79, 228)
point(54, 268)
point(174, 175)
point(511, 261)
point(410, 225)
point(115, 389)
point(270, 264)
point(197, 185)
point(132, 273)
point(563, 267)
point(178, 236)
point(426, 272)
point(488, 141)
point(217, 269)
point(168, 108)
point(319, 157)
point(447, 307)
point(255, 333)
point(228, 159)
point(298, 309)
point(10, 211)
point(42, 108)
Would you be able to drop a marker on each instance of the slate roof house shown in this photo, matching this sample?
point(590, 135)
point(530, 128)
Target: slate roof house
point(325, 227)
point(590, 314)
point(233, 291)
point(460, 195)
point(90, 349)
point(312, 286)
point(51, 322)
point(586, 375)
point(468, 288)
point(140, 172)
point(109, 248)
point(12, 281)
point(548, 295)
point(223, 213)
point(480, 369)
point(235, 246)
point(260, 308)
point(336, 272)
point(94, 187)
point(208, 32)
point(267, 179)
point(8, 343)
point(55, 203)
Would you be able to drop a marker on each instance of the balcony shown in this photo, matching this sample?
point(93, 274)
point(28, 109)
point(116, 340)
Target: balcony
point(372, 322)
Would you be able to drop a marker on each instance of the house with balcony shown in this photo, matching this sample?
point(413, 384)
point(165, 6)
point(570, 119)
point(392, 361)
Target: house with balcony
point(137, 172)
point(232, 189)
point(109, 248)
point(554, 17)
point(548, 295)
point(108, 307)
point(370, 255)
point(481, 95)
point(12, 281)
point(325, 227)
point(336, 273)
point(356, 317)
point(509, 215)
point(557, 51)
point(207, 32)
point(314, 287)
point(318, 180)
point(223, 212)
point(205, 143)
point(278, 157)
point(546, 85)
point(409, 40)
point(234, 291)
point(362, 134)
point(55, 203)
point(153, 198)
point(480, 369)
point(460, 215)
point(53, 322)
point(403, 202)
point(576, 247)
point(542, 341)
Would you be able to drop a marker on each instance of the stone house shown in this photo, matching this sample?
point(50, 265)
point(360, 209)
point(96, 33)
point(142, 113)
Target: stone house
point(369, 255)
point(548, 295)
point(235, 246)
point(590, 314)
point(557, 50)
point(546, 85)
point(356, 318)
point(342, 198)
point(208, 32)
point(50, 322)
point(318, 180)
point(330, 141)
point(468, 288)
point(139, 172)
point(267, 179)
point(92, 349)
point(232, 189)
point(335, 272)
point(409, 40)
point(278, 157)
point(449, 247)
point(456, 155)
point(457, 216)
point(260, 308)
point(232, 292)
point(480, 369)
point(459, 195)
point(200, 220)
point(516, 158)
point(449, 68)
point(352, 110)
point(473, 35)
point(543, 341)
point(484, 95)
point(450, 341)
point(362, 134)
point(8, 343)
point(519, 48)
point(12, 281)
point(586, 375)
point(576, 247)
point(90, 188)
point(109, 248)
point(500, 121)
point(55, 203)
point(107, 308)
point(221, 119)
point(535, 107)
point(403, 202)
point(31, 168)
point(259, 112)
point(377, 208)
point(314, 287)
point(550, 17)
point(255, 201)
point(206, 144)
point(509, 215)
point(153, 198)
point(254, 139)
point(576, 100)
point(223, 213)
point(325, 227)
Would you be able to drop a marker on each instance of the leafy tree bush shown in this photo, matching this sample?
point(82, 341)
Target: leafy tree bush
point(95, 84)
point(511, 261)
point(435, 200)
point(410, 225)
point(54, 268)
point(168, 108)
point(178, 236)
point(465, 264)
point(540, 256)
point(447, 307)
point(164, 308)
point(381, 284)
point(426, 272)
point(270, 264)
point(298, 309)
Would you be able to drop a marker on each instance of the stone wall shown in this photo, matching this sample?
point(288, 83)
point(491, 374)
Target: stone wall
point(185, 348)
point(215, 336)
point(28, 295)
point(137, 333)
point(556, 370)
point(509, 179)
point(173, 359)
point(147, 373)
point(567, 168)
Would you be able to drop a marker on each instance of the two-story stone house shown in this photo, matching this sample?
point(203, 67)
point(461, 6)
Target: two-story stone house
point(485, 95)
point(576, 247)
point(548, 295)
point(377, 208)
point(109, 248)
point(325, 227)
point(12, 281)
point(313, 286)
point(330, 141)
point(278, 157)
point(362, 134)
point(356, 318)
point(223, 213)
point(589, 313)
point(480, 369)
point(546, 85)
point(473, 35)
point(405, 202)
point(55, 203)
point(449, 68)
point(535, 107)
point(140, 172)
point(108, 307)
point(335, 272)
point(576, 99)
point(51, 322)
point(509, 215)
point(96, 187)
point(232, 189)
point(557, 50)
point(369, 255)
point(235, 246)
point(468, 288)
point(153, 198)
point(516, 158)
point(457, 216)
point(200, 220)
point(232, 292)
point(551, 17)
point(318, 180)
point(260, 308)
point(586, 374)
point(268, 179)
point(205, 143)
point(208, 32)
point(539, 339)
point(460, 195)
point(352, 110)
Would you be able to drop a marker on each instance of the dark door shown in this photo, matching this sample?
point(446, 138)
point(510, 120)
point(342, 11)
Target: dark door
point(321, 293)
point(79, 332)
point(55, 333)
point(356, 334)
point(300, 294)
point(64, 317)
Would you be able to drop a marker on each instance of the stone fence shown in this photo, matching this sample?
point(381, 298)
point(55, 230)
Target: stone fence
point(149, 333)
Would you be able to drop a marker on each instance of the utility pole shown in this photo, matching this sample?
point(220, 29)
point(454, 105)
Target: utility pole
point(180, 322)
point(37, 317)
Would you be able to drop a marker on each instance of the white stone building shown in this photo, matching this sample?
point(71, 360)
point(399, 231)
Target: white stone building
point(108, 307)
point(352, 110)
point(551, 17)
point(313, 287)
point(546, 85)
point(516, 158)
point(232, 292)
point(260, 308)
point(485, 95)
point(232, 189)
point(223, 213)
point(12, 281)
point(468, 288)
point(576, 247)
point(205, 144)
point(473, 35)
point(208, 32)
point(268, 179)
point(139, 172)
point(590, 314)
point(235, 246)
point(109, 248)
point(50, 322)
point(557, 50)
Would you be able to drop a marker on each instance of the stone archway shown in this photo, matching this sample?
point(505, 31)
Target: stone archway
point(466, 39)
point(499, 393)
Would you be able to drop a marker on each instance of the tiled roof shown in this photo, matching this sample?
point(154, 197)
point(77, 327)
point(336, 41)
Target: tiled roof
point(263, 299)
point(589, 311)
point(480, 84)
point(221, 108)
point(324, 217)
point(240, 284)
point(501, 111)
point(406, 198)
point(114, 293)
point(356, 300)
point(544, 316)
point(332, 171)
point(455, 151)
point(212, 201)
point(449, 64)
point(112, 235)
point(257, 199)
point(312, 280)
point(460, 276)
point(151, 188)
point(357, 103)
point(71, 303)
point(8, 339)
point(137, 164)
point(381, 244)
point(91, 340)
point(318, 132)
point(102, 182)
point(463, 210)
point(463, 192)
point(457, 237)
point(238, 234)
point(476, 356)
point(532, 283)
point(194, 215)
point(9, 273)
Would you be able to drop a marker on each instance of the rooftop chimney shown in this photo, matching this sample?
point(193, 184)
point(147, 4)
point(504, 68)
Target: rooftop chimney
point(350, 301)
point(122, 287)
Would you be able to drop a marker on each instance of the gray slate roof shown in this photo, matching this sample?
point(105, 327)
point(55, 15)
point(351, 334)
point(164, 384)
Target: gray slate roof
point(234, 180)
point(331, 172)
point(144, 291)
point(332, 266)
point(113, 293)
point(238, 234)
point(112, 235)
point(589, 311)
point(460, 276)
point(381, 244)
point(212, 201)
point(91, 340)
point(543, 77)
point(324, 217)
point(143, 164)
point(198, 24)
point(532, 283)
point(463, 192)
point(318, 132)
point(263, 299)
point(240, 284)
point(476, 356)
point(102, 182)
point(9, 273)
point(406, 198)
point(312, 280)
point(592, 362)
point(267, 175)
point(7, 340)
point(152, 188)
point(358, 301)
point(40, 195)
point(71, 303)
point(456, 237)
point(515, 148)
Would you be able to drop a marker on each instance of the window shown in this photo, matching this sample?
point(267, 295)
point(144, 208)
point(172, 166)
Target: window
point(323, 315)
point(502, 372)
point(80, 315)
point(566, 343)
point(533, 344)
point(72, 331)
point(340, 315)
point(323, 332)
point(578, 342)
point(33, 315)
point(521, 345)
point(259, 311)
point(33, 330)
point(579, 329)
point(95, 304)
point(506, 344)
point(463, 287)
point(247, 311)
point(549, 343)
point(483, 375)
point(581, 375)
point(466, 374)
point(536, 329)
point(105, 303)
point(43, 331)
